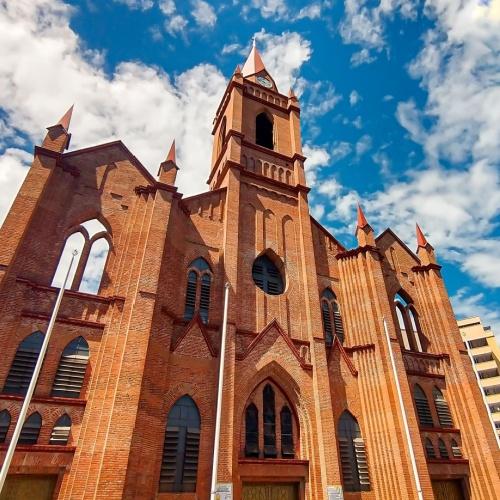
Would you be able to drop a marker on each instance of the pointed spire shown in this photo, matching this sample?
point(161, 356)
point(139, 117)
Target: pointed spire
point(237, 71)
point(66, 118)
point(171, 153)
point(362, 222)
point(291, 93)
point(253, 63)
point(421, 239)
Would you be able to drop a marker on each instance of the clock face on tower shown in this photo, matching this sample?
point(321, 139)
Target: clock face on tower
point(264, 81)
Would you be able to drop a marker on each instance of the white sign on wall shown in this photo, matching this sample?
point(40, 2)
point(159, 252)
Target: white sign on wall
point(334, 493)
point(224, 491)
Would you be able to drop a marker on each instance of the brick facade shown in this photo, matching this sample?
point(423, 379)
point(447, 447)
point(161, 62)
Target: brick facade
point(144, 355)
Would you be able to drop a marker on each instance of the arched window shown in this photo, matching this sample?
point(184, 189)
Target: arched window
point(252, 431)
point(267, 276)
point(31, 429)
point(199, 282)
point(179, 467)
point(287, 450)
point(222, 135)
point(354, 466)
point(455, 449)
point(264, 131)
point(22, 367)
point(61, 430)
point(4, 425)
point(269, 422)
point(91, 241)
point(409, 326)
point(332, 319)
point(443, 451)
point(429, 449)
point(423, 409)
point(71, 370)
point(442, 409)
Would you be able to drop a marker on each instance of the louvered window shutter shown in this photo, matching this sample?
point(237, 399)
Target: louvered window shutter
point(348, 464)
point(269, 423)
point(23, 366)
point(267, 276)
point(190, 295)
point(287, 450)
point(327, 322)
point(443, 451)
point(429, 449)
point(191, 459)
point(4, 425)
point(31, 429)
point(251, 431)
point(362, 464)
point(169, 459)
point(205, 297)
point(423, 409)
point(442, 409)
point(70, 373)
point(61, 430)
point(337, 320)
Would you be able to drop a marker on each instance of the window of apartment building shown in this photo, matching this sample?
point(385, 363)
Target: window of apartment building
point(482, 342)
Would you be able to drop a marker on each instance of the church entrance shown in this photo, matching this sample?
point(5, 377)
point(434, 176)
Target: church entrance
point(448, 490)
point(270, 491)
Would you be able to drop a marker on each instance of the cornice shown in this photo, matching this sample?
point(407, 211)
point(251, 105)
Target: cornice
point(356, 251)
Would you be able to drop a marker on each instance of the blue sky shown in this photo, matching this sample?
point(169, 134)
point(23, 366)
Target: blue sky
point(400, 105)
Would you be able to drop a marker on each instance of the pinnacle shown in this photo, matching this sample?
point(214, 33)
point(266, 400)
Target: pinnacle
point(237, 71)
point(421, 240)
point(291, 93)
point(171, 153)
point(362, 222)
point(253, 63)
point(66, 118)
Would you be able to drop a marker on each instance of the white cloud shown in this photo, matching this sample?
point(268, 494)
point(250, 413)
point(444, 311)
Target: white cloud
point(321, 99)
point(340, 150)
point(410, 118)
point(204, 14)
point(230, 48)
point(271, 8)
point(363, 145)
point(362, 57)
point(317, 158)
point(312, 11)
point(137, 103)
point(175, 24)
point(388, 97)
point(136, 4)
point(354, 98)
point(167, 6)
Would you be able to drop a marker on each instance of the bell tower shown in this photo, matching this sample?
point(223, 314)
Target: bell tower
point(257, 129)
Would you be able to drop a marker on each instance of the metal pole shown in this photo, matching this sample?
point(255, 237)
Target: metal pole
point(403, 413)
point(34, 380)
point(485, 401)
point(215, 461)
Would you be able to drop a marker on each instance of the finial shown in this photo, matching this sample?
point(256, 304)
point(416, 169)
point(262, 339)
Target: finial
point(421, 239)
point(253, 41)
point(66, 118)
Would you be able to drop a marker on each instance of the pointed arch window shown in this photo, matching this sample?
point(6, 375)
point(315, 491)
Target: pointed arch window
point(31, 429)
point(4, 425)
point(264, 130)
point(332, 319)
point(353, 462)
point(252, 431)
point(92, 241)
point(179, 467)
point(222, 135)
point(23, 365)
point(430, 452)
point(409, 326)
point(71, 370)
point(287, 450)
point(422, 405)
point(442, 409)
point(61, 430)
point(267, 276)
point(269, 422)
point(199, 284)
point(443, 451)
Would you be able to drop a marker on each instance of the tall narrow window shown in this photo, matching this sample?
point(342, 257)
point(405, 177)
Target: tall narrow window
point(430, 452)
point(264, 131)
point(198, 288)
point(31, 429)
point(179, 467)
point(71, 370)
point(332, 319)
point(61, 430)
point(269, 422)
point(353, 462)
point(409, 326)
point(267, 276)
point(443, 451)
point(4, 425)
point(23, 364)
point(222, 135)
point(423, 409)
point(252, 431)
point(442, 409)
point(287, 450)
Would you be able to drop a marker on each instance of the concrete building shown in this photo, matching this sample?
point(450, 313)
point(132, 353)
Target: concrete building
point(485, 353)
point(344, 368)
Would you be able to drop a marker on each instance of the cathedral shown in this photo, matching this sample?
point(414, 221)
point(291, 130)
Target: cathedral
point(342, 371)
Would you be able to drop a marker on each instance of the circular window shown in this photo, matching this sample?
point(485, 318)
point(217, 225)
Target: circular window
point(267, 276)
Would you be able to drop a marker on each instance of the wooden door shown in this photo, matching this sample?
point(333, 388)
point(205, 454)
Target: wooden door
point(270, 491)
point(448, 490)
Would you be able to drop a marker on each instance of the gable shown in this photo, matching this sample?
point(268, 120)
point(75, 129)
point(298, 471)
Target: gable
point(194, 341)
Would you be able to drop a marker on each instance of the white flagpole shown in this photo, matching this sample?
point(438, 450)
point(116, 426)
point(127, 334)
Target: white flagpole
point(215, 461)
point(34, 380)
point(403, 414)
